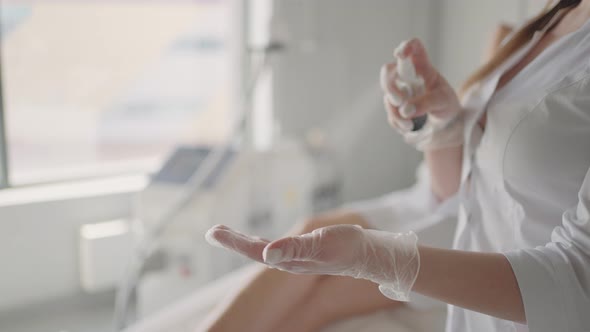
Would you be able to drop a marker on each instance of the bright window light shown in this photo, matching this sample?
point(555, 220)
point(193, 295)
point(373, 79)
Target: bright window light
point(106, 87)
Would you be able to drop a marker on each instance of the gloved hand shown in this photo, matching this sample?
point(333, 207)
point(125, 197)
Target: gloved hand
point(436, 97)
point(388, 259)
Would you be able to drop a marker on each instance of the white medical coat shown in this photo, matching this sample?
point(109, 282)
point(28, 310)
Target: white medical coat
point(525, 187)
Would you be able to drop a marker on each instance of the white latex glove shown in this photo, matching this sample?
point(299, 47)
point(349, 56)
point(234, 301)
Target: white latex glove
point(388, 259)
point(413, 91)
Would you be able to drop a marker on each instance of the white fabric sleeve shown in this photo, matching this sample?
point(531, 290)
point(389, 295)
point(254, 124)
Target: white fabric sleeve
point(554, 279)
point(412, 209)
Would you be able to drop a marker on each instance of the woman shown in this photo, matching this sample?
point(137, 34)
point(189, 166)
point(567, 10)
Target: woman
point(521, 172)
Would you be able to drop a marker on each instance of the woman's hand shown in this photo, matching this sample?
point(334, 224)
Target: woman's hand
point(252, 247)
point(225, 237)
point(438, 99)
point(389, 259)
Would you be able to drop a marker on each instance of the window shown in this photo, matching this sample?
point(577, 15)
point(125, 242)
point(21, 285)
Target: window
point(98, 87)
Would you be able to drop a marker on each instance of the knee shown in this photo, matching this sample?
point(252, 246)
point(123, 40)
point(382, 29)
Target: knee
point(310, 224)
point(329, 219)
point(306, 226)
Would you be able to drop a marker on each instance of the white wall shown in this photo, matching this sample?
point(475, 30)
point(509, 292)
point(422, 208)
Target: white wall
point(39, 245)
point(335, 85)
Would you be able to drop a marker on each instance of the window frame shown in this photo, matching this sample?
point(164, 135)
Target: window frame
point(240, 59)
point(4, 179)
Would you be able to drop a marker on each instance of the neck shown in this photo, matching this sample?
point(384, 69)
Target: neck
point(582, 11)
point(582, 7)
point(574, 18)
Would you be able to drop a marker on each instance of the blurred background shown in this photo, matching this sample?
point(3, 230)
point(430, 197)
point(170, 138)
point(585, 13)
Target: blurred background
point(110, 107)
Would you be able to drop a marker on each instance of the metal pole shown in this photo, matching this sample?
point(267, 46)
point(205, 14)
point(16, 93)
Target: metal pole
point(4, 183)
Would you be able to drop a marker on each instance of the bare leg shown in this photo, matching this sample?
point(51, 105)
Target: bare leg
point(333, 299)
point(267, 298)
point(259, 305)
